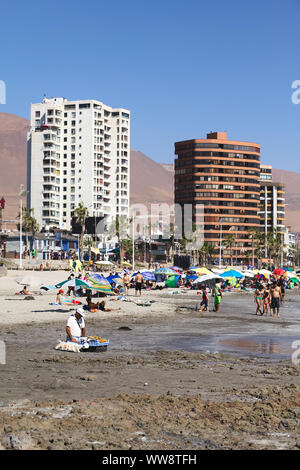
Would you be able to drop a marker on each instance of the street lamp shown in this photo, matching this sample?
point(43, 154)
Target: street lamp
point(220, 255)
point(21, 194)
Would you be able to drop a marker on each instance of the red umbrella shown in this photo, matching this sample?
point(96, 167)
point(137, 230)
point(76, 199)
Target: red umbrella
point(278, 271)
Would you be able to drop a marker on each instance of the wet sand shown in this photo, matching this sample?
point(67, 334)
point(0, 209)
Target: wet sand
point(172, 378)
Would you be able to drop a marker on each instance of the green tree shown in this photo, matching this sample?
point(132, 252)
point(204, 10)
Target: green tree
point(29, 224)
point(81, 213)
point(228, 243)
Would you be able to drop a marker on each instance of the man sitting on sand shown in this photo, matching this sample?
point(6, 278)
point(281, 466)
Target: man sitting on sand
point(76, 327)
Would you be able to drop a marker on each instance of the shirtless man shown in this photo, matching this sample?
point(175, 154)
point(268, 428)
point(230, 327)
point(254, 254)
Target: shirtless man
point(138, 283)
point(275, 300)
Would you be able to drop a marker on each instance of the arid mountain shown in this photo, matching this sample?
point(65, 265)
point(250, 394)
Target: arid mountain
point(151, 182)
point(13, 170)
point(292, 196)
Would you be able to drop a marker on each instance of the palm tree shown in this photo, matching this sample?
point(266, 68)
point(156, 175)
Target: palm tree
point(81, 213)
point(119, 228)
point(89, 242)
point(228, 243)
point(29, 224)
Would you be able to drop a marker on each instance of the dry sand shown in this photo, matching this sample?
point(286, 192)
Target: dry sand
point(157, 386)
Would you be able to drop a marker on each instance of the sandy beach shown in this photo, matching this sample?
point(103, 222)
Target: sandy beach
point(172, 378)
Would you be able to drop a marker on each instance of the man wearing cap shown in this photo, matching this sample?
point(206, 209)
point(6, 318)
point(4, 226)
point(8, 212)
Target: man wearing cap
point(76, 327)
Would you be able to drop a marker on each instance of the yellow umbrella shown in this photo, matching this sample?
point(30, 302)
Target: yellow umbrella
point(125, 263)
point(202, 270)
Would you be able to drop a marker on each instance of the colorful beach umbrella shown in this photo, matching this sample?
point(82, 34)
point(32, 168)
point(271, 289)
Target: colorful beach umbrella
point(147, 275)
point(165, 271)
point(98, 283)
point(278, 271)
point(75, 282)
point(232, 273)
point(201, 271)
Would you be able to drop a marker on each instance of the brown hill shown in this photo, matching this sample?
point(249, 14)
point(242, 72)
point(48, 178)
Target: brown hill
point(150, 182)
point(13, 170)
point(291, 180)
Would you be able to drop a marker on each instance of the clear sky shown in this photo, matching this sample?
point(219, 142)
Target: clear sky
point(183, 68)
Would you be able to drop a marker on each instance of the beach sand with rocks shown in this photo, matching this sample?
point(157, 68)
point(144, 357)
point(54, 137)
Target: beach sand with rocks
point(171, 378)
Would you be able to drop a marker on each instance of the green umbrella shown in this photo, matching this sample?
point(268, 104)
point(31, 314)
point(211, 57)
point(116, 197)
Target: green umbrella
point(77, 283)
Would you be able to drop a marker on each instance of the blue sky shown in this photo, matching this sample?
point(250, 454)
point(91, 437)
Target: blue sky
point(183, 68)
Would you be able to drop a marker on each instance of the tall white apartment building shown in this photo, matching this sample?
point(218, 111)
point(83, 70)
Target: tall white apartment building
point(78, 151)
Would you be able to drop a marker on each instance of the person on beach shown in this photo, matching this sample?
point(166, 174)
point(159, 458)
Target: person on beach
point(60, 298)
point(281, 284)
point(258, 298)
point(275, 300)
point(76, 327)
point(217, 292)
point(204, 302)
point(138, 283)
point(126, 283)
point(266, 300)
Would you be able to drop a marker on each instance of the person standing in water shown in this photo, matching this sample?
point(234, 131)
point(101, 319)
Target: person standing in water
point(258, 298)
point(218, 296)
point(275, 302)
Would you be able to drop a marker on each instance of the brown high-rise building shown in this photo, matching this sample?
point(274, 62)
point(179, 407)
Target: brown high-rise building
point(223, 176)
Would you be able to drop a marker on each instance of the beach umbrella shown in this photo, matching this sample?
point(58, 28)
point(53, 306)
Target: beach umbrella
point(290, 274)
point(176, 268)
point(98, 283)
point(125, 263)
point(29, 280)
point(165, 271)
point(201, 271)
point(206, 278)
point(115, 279)
point(105, 263)
point(232, 273)
point(147, 275)
point(278, 271)
point(192, 277)
point(75, 282)
point(294, 279)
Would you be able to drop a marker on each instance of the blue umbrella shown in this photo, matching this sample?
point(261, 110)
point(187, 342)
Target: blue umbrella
point(147, 275)
point(232, 273)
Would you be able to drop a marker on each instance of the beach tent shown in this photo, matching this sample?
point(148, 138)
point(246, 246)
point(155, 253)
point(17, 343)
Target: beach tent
point(172, 281)
point(232, 273)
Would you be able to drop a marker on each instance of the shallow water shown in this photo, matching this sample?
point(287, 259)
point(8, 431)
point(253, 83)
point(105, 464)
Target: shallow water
point(276, 347)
